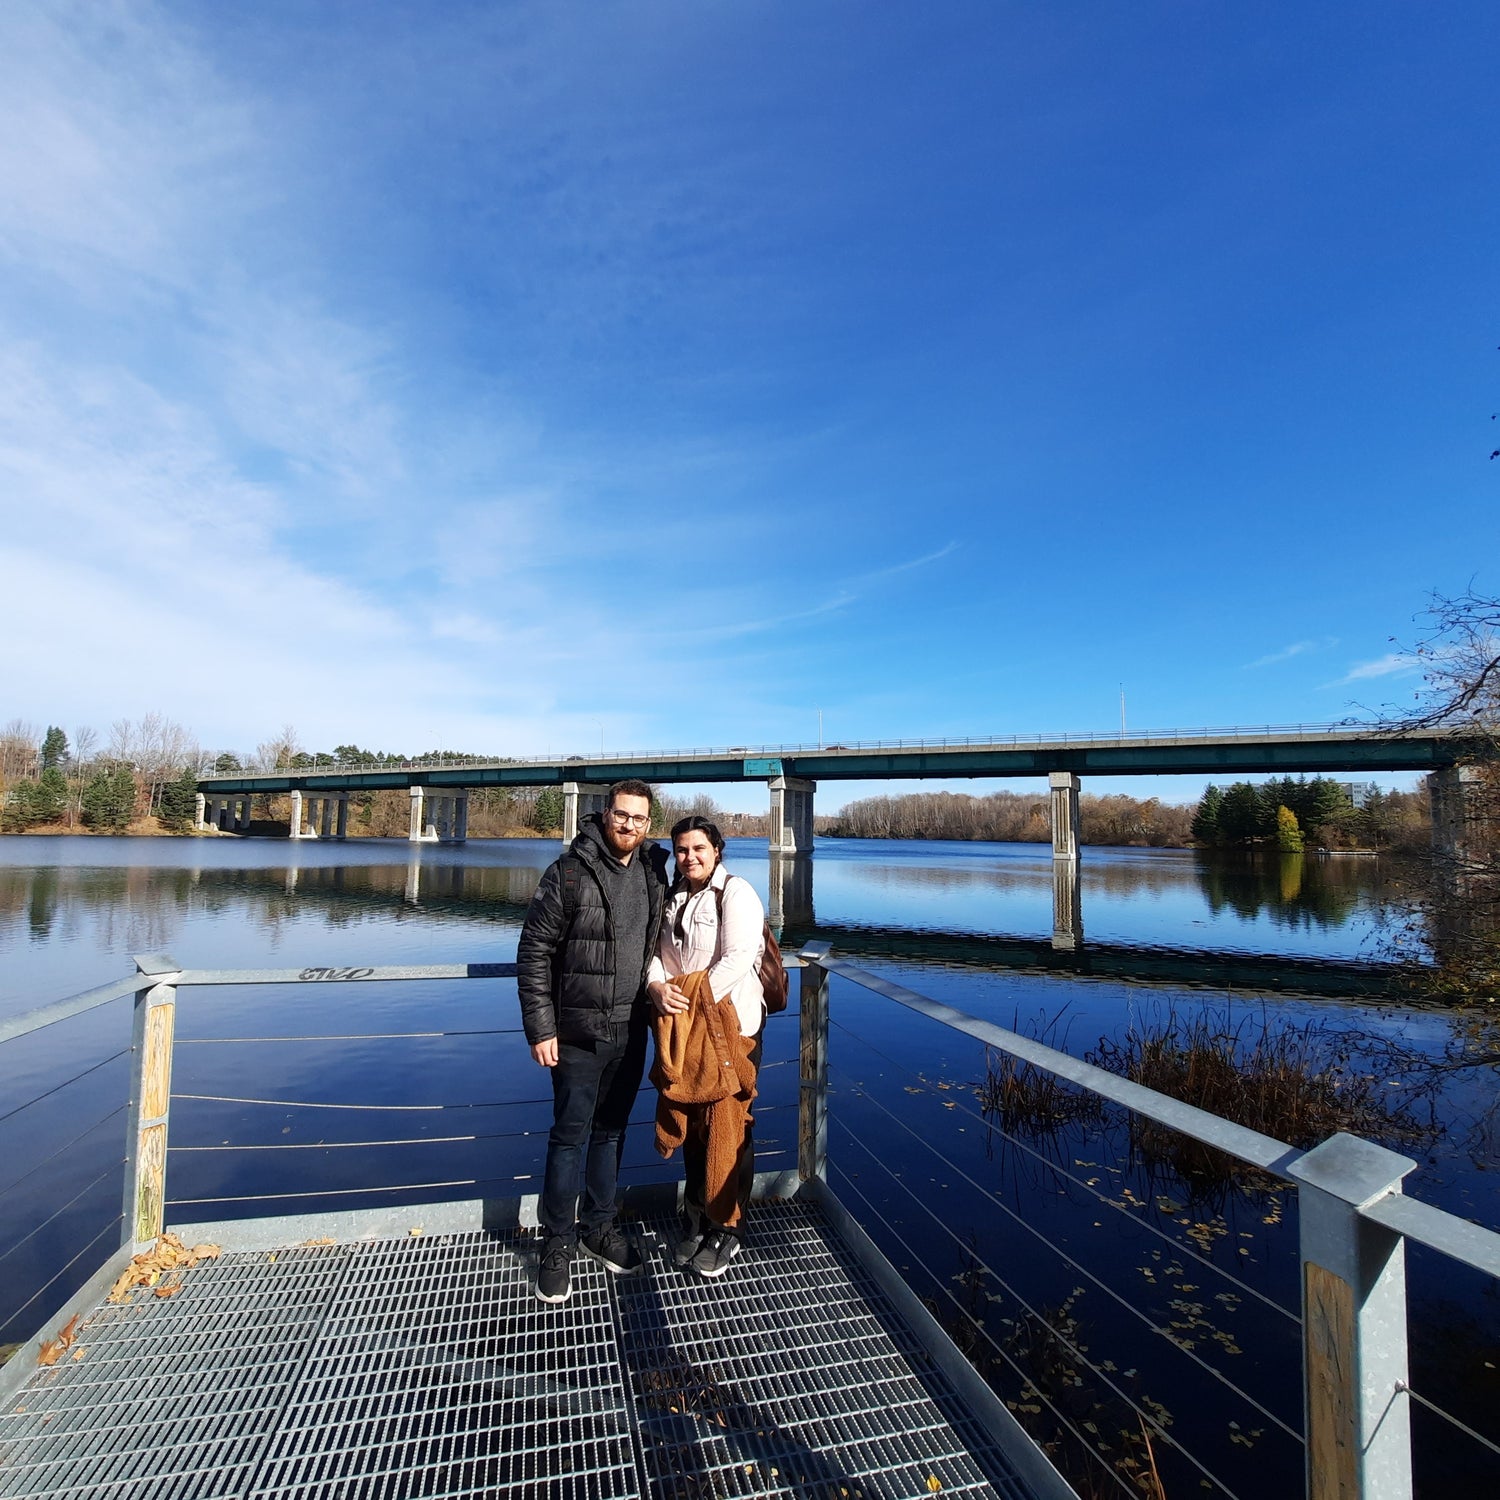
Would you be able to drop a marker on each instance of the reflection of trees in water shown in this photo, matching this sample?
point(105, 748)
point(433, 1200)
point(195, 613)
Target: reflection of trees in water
point(1120, 877)
point(141, 907)
point(1289, 890)
point(132, 909)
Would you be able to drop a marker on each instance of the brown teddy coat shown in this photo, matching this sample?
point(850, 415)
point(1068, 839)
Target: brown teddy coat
point(706, 1084)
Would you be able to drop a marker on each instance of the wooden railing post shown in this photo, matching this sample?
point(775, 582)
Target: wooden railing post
point(812, 1112)
point(150, 1100)
point(1353, 1323)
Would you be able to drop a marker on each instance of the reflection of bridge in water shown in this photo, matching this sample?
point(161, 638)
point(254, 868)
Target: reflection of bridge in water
point(502, 893)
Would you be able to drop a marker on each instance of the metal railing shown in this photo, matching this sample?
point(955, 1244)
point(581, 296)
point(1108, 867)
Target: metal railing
point(1354, 1222)
point(1227, 734)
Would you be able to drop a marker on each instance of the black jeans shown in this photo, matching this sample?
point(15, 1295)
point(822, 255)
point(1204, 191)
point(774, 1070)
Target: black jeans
point(593, 1088)
point(695, 1169)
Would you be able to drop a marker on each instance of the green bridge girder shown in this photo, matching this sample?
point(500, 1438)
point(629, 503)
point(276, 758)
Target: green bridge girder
point(1217, 756)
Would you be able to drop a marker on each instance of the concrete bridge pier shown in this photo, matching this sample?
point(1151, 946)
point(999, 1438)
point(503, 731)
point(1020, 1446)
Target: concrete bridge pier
point(419, 830)
point(1456, 819)
point(298, 829)
point(1064, 787)
point(578, 803)
point(199, 803)
point(439, 816)
point(792, 815)
point(1067, 909)
point(223, 813)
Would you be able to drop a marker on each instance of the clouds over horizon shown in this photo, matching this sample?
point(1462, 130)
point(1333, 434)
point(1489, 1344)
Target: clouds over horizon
point(221, 490)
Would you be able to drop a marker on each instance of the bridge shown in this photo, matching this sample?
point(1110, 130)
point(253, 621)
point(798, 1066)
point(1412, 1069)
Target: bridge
point(439, 790)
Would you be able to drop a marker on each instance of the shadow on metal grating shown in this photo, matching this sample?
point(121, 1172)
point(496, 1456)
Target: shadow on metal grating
point(425, 1367)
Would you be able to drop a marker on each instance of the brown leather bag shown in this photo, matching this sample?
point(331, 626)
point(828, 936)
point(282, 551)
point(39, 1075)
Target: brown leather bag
point(774, 981)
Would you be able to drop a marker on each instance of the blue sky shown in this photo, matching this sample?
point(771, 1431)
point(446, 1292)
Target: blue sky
point(508, 376)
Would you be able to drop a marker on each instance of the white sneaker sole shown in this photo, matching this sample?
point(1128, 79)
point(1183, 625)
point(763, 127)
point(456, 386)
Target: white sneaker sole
point(541, 1296)
point(717, 1270)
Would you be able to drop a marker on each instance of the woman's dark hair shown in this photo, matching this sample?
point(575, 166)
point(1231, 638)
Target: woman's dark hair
point(706, 826)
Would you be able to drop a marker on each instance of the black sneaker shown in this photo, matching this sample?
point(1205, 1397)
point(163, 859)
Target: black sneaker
point(554, 1276)
point(717, 1251)
point(685, 1249)
point(612, 1250)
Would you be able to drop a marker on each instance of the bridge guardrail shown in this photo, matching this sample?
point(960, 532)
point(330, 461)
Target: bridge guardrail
point(1234, 734)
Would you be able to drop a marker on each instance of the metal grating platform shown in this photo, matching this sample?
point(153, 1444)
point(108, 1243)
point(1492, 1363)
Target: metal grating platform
point(425, 1367)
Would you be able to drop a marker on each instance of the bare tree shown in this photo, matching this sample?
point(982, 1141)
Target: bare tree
point(156, 748)
point(20, 750)
point(276, 752)
point(85, 743)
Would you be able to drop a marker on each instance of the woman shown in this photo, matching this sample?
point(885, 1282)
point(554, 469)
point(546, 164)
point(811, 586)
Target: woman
point(713, 921)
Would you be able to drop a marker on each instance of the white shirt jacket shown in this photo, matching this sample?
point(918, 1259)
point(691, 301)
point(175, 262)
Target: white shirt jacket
point(729, 956)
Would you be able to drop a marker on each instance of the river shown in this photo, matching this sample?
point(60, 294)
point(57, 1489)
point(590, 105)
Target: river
point(1165, 932)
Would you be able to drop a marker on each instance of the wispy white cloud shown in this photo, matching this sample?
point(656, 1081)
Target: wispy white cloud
point(904, 567)
point(1297, 648)
point(1392, 664)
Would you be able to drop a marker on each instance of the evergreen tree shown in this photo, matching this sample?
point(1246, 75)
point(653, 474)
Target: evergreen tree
point(1327, 803)
point(109, 799)
point(1206, 820)
point(227, 764)
point(1240, 814)
point(179, 802)
point(51, 799)
point(547, 815)
point(54, 749)
point(1288, 834)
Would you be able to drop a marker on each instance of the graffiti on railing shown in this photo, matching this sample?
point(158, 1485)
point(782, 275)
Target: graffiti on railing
point(335, 973)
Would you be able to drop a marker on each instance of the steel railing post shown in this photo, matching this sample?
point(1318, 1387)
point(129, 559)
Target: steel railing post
point(1353, 1323)
point(144, 1205)
point(812, 1107)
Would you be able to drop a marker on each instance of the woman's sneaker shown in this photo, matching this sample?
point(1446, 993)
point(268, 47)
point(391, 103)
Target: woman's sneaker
point(717, 1251)
point(685, 1249)
point(554, 1276)
point(612, 1250)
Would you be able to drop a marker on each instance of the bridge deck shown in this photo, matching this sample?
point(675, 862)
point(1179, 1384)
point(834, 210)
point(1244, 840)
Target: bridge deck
point(424, 1366)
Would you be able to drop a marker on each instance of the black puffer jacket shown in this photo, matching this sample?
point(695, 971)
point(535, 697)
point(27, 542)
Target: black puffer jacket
point(566, 974)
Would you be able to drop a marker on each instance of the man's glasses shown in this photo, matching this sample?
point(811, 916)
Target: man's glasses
point(630, 820)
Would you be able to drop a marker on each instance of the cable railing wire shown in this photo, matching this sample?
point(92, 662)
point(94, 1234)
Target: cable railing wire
point(1448, 1416)
point(57, 1213)
point(66, 1146)
point(981, 1331)
point(1147, 1417)
point(68, 1083)
point(369, 1108)
point(1082, 1270)
point(355, 1036)
point(61, 1271)
point(1104, 1200)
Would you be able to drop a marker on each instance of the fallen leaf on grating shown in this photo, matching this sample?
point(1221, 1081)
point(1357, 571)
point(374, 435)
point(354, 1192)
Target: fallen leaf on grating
point(168, 1254)
point(309, 1244)
point(52, 1350)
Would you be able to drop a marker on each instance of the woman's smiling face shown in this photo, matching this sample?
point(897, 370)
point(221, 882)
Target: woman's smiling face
point(695, 856)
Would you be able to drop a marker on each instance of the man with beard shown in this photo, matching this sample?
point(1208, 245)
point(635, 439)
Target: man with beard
point(589, 936)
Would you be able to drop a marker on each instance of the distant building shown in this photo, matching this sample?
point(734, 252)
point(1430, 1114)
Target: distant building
point(1358, 792)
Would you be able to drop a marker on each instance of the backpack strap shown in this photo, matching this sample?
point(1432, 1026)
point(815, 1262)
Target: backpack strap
point(570, 869)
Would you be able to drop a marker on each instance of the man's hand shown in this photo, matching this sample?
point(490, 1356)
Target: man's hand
point(667, 998)
point(545, 1053)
